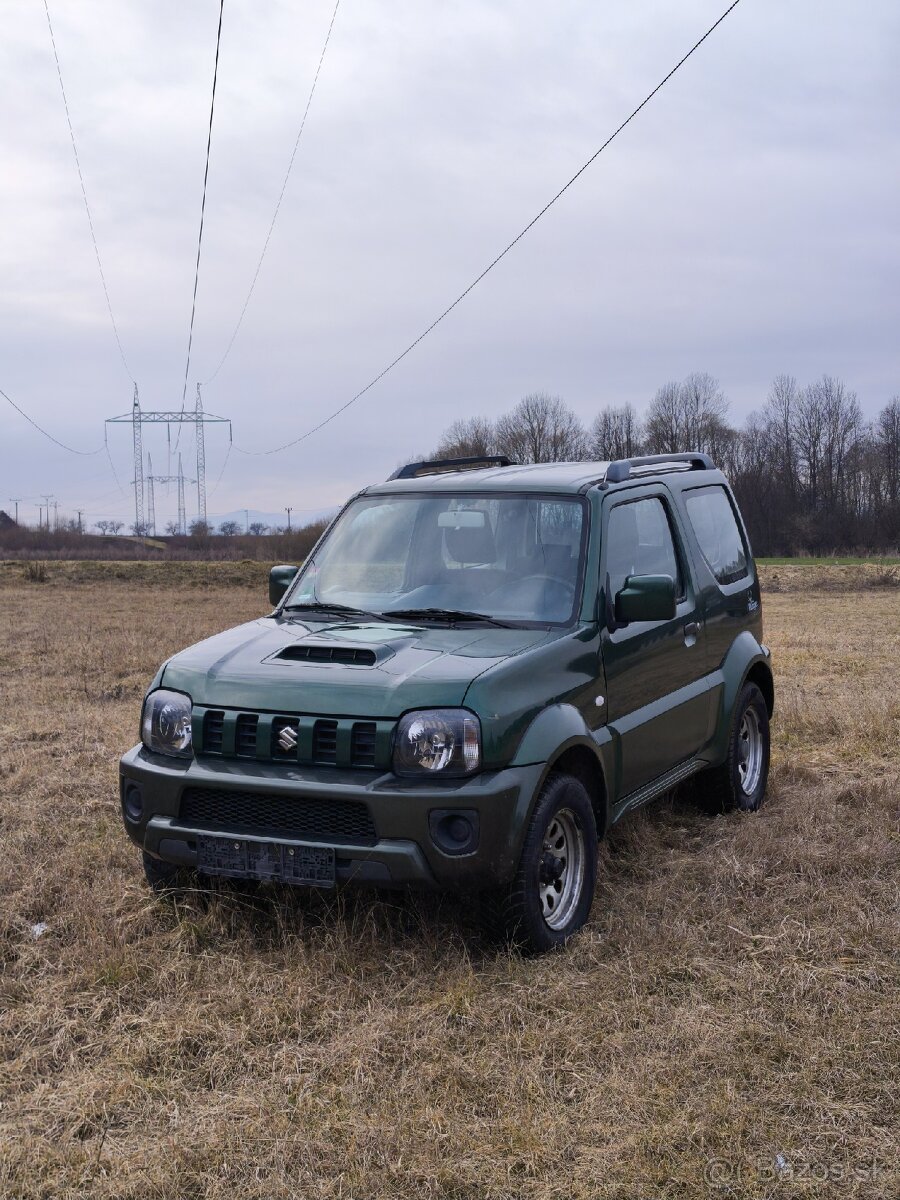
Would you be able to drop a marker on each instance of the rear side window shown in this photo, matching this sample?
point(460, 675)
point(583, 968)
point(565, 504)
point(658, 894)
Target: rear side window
point(712, 517)
point(639, 542)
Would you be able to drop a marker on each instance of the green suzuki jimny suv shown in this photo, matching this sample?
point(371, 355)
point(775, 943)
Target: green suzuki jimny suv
point(479, 668)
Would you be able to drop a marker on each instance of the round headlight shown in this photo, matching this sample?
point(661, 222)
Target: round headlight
point(166, 724)
point(440, 740)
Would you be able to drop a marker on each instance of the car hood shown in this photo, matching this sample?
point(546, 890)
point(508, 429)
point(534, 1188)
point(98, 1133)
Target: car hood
point(281, 665)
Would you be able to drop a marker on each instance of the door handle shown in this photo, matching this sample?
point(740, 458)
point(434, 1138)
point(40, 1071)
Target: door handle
point(692, 629)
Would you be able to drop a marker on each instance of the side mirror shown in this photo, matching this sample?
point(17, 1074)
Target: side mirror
point(280, 579)
point(646, 598)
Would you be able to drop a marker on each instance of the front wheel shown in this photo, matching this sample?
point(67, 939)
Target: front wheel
point(164, 878)
point(550, 896)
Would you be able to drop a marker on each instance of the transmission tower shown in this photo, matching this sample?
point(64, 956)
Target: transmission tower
point(180, 479)
point(182, 516)
point(201, 460)
point(151, 503)
point(138, 419)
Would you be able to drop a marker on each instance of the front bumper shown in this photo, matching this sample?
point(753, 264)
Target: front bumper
point(404, 852)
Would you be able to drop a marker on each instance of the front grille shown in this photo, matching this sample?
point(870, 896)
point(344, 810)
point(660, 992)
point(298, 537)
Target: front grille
point(348, 822)
point(354, 655)
point(304, 740)
point(245, 735)
point(325, 742)
point(362, 744)
point(213, 728)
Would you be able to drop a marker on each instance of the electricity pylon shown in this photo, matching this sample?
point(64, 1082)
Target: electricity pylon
point(198, 418)
point(179, 479)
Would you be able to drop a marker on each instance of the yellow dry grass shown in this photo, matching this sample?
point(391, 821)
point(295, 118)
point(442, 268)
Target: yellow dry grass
point(725, 1026)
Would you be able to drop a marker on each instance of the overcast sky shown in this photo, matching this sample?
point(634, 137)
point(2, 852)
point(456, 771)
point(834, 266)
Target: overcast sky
point(745, 224)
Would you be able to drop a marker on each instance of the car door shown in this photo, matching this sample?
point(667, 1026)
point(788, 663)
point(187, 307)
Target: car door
point(658, 701)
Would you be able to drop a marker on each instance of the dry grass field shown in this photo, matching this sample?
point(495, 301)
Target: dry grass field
point(726, 1025)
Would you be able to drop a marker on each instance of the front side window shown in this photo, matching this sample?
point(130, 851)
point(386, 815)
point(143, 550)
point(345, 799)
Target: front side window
point(712, 518)
point(514, 558)
point(639, 542)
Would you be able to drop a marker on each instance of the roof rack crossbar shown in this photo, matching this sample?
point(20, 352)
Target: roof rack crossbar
point(441, 466)
point(620, 470)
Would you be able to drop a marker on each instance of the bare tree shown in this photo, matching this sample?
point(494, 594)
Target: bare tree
point(469, 437)
point(827, 423)
point(103, 526)
point(258, 528)
point(809, 436)
point(663, 432)
point(541, 428)
point(172, 528)
point(887, 433)
point(115, 526)
point(616, 433)
point(779, 415)
point(229, 529)
point(705, 414)
point(692, 415)
point(845, 432)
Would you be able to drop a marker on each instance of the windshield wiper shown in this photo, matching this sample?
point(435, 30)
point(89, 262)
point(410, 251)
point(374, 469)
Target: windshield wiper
point(344, 610)
point(446, 614)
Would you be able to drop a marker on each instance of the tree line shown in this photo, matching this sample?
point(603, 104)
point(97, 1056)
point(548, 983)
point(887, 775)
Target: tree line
point(196, 529)
point(811, 475)
point(68, 541)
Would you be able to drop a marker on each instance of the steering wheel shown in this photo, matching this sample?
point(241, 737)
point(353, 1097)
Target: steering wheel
point(510, 584)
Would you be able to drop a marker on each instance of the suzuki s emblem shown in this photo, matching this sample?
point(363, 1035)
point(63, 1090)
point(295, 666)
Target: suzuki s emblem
point(287, 739)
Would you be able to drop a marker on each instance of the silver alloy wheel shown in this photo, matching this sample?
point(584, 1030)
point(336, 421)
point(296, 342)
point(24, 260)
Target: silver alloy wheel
point(561, 869)
point(750, 751)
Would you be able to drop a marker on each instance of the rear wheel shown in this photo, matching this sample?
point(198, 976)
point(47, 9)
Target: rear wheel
point(550, 896)
point(740, 782)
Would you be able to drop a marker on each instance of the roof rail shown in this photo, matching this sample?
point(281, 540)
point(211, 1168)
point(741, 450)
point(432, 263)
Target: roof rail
point(620, 470)
point(442, 466)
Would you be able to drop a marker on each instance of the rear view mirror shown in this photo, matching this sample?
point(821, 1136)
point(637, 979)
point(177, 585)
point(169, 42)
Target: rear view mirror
point(462, 518)
point(280, 579)
point(646, 598)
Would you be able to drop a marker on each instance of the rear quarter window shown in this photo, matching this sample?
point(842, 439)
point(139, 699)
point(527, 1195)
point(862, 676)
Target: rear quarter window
point(712, 518)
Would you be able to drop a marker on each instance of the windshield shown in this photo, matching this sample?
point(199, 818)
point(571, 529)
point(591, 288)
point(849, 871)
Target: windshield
point(513, 558)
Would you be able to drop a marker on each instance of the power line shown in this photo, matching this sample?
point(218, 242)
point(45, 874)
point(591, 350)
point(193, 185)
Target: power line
point(40, 429)
point(87, 207)
point(215, 486)
point(112, 465)
point(503, 253)
point(312, 92)
point(212, 109)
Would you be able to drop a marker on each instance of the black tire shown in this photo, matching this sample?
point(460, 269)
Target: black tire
point(516, 913)
point(727, 787)
point(165, 878)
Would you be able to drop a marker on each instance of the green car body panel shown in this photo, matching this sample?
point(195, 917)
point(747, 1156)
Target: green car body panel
point(631, 709)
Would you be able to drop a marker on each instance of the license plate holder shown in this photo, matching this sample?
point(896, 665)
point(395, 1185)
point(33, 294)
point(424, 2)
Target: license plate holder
point(244, 858)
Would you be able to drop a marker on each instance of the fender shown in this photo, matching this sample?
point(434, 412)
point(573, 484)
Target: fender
point(745, 655)
point(556, 730)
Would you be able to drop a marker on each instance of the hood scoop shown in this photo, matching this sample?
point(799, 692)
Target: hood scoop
point(354, 656)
